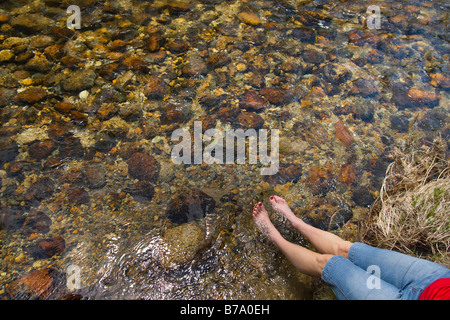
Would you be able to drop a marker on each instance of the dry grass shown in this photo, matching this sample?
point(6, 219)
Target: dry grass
point(412, 213)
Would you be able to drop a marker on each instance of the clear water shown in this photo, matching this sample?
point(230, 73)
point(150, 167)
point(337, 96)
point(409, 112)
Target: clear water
point(382, 86)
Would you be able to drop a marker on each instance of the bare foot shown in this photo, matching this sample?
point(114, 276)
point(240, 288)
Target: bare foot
point(280, 206)
point(262, 221)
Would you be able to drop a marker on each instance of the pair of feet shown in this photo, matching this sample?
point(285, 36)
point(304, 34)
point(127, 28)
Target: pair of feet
point(262, 220)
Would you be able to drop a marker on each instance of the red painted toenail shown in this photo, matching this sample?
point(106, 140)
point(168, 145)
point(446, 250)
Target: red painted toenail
point(271, 198)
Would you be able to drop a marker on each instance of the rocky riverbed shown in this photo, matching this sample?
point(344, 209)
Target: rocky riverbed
point(87, 114)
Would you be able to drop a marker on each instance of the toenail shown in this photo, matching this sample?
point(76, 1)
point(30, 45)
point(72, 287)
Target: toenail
point(271, 198)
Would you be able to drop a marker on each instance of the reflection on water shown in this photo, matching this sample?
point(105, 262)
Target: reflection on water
point(87, 177)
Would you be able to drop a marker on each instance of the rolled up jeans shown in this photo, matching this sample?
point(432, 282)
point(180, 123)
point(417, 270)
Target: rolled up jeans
point(371, 273)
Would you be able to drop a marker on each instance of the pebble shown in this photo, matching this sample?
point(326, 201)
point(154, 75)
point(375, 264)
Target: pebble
point(320, 181)
point(31, 22)
point(250, 120)
point(189, 205)
point(47, 248)
point(364, 88)
point(6, 55)
point(41, 149)
point(143, 166)
point(37, 284)
point(343, 134)
point(155, 88)
point(78, 196)
point(277, 96)
point(249, 17)
point(79, 80)
point(180, 245)
point(252, 101)
point(96, 176)
point(31, 95)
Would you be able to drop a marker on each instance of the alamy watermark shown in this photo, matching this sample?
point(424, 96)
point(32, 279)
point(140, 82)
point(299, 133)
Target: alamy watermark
point(213, 153)
point(374, 18)
point(74, 20)
point(73, 277)
point(374, 280)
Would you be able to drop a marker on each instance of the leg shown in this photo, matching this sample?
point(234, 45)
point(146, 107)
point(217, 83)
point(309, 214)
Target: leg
point(324, 241)
point(397, 268)
point(350, 282)
point(306, 261)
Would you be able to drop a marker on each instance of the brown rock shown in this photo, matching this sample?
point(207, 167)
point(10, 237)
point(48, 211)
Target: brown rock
point(194, 65)
point(364, 88)
point(143, 167)
point(173, 114)
point(249, 17)
point(141, 191)
point(286, 173)
point(41, 149)
point(37, 284)
point(440, 81)
point(78, 195)
point(343, 134)
point(47, 248)
point(154, 42)
point(252, 101)
point(31, 95)
point(320, 181)
point(4, 17)
point(181, 244)
point(155, 88)
point(420, 97)
point(38, 63)
point(177, 46)
point(217, 60)
point(31, 22)
point(79, 80)
point(54, 52)
point(39, 190)
point(37, 222)
point(5, 96)
point(134, 63)
point(96, 176)
point(355, 38)
point(347, 174)
point(107, 110)
point(277, 96)
point(313, 56)
point(227, 114)
point(64, 107)
point(62, 32)
point(250, 120)
point(188, 206)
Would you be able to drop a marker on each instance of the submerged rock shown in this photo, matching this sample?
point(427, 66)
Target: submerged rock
point(343, 134)
point(143, 167)
point(37, 284)
point(41, 149)
point(188, 206)
point(30, 96)
point(155, 88)
point(31, 22)
point(47, 248)
point(181, 244)
point(79, 80)
point(277, 96)
point(250, 120)
point(252, 101)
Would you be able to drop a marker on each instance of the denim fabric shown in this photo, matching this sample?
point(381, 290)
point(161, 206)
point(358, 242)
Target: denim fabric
point(378, 274)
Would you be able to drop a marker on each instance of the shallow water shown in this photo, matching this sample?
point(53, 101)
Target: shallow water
point(87, 177)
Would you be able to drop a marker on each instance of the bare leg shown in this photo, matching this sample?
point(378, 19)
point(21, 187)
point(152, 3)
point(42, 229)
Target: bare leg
point(324, 241)
point(306, 261)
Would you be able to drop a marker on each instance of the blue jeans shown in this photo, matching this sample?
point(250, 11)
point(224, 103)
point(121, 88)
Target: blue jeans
point(378, 274)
